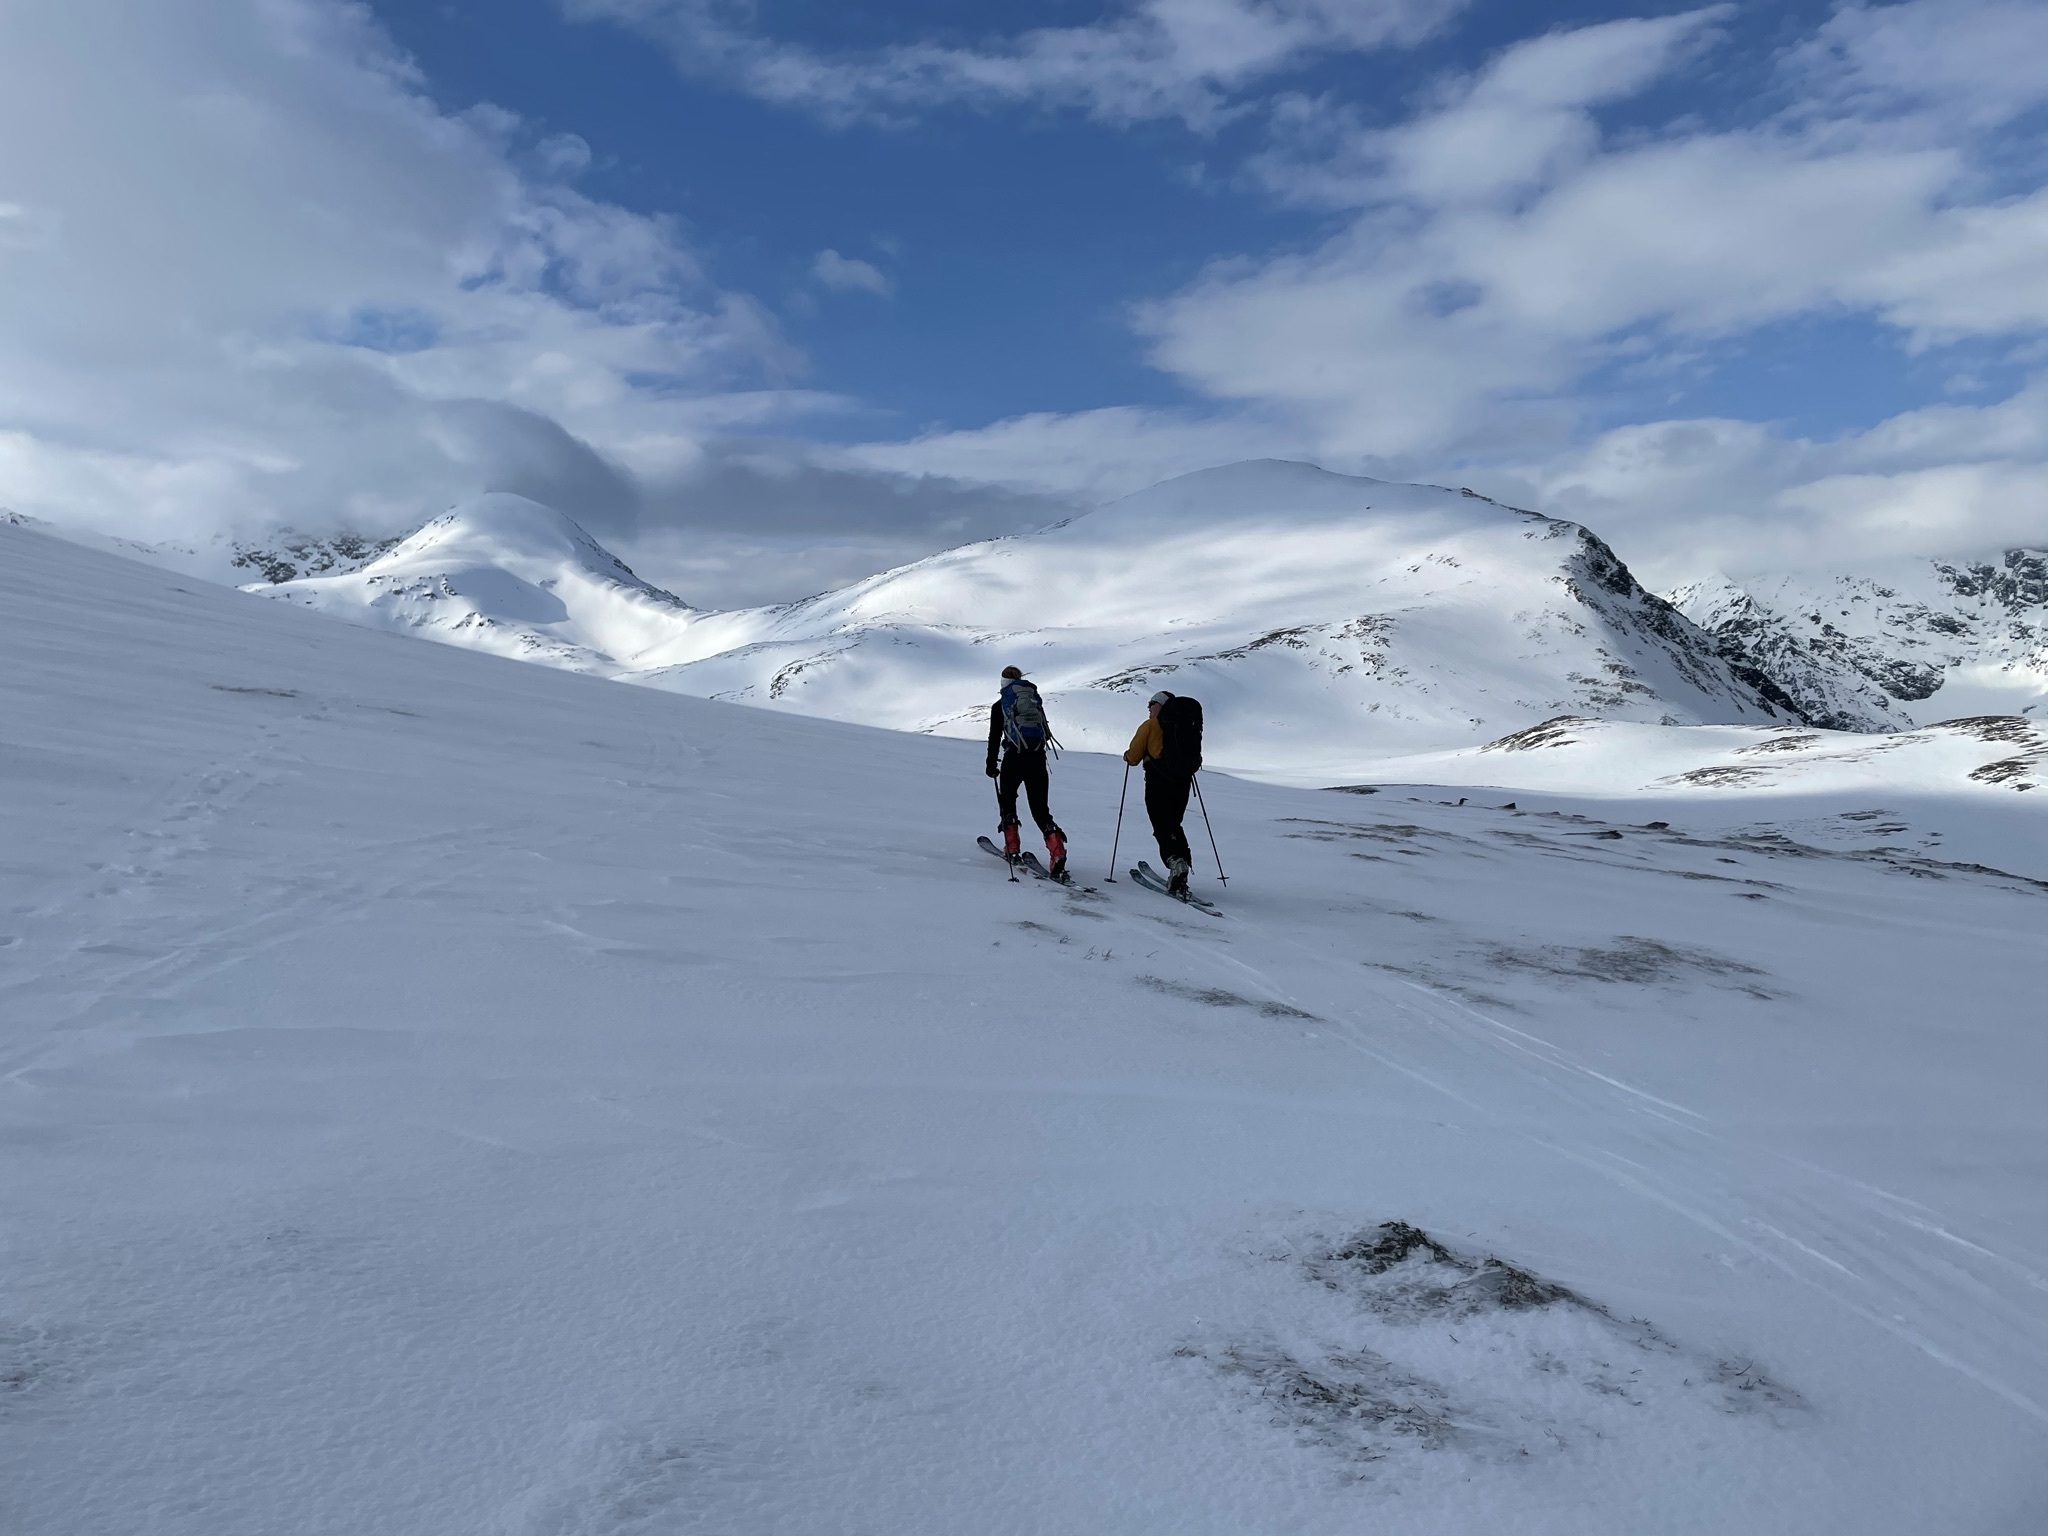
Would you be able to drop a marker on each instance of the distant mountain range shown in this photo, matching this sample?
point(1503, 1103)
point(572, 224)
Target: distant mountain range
point(1324, 620)
point(1895, 646)
point(1328, 621)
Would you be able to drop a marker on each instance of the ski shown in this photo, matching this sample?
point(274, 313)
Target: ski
point(987, 845)
point(1031, 862)
point(1152, 880)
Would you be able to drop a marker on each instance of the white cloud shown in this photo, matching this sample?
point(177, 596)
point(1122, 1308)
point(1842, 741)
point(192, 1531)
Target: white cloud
point(265, 278)
point(848, 274)
point(1500, 251)
point(563, 154)
point(1682, 499)
point(1975, 63)
point(1679, 499)
point(1088, 456)
point(1158, 58)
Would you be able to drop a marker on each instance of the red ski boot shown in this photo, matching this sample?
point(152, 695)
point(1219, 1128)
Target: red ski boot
point(1056, 848)
point(1011, 846)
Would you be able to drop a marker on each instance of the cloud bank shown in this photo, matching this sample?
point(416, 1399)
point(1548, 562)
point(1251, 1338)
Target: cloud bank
point(251, 274)
point(1184, 59)
point(1507, 265)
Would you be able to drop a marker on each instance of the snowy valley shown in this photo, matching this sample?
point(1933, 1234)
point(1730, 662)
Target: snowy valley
point(448, 1095)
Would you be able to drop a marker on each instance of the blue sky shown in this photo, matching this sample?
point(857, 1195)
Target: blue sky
point(1017, 240)
point(774, 294)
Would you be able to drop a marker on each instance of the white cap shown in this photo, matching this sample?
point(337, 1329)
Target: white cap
point(1160, 697)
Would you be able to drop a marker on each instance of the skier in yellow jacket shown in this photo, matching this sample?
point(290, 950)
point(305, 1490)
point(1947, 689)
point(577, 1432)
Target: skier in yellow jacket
point(1167, 785)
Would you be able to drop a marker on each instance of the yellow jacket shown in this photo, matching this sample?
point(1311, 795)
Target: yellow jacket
point(1149, 742)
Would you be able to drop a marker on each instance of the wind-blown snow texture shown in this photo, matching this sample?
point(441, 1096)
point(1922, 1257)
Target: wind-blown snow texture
point(1985, 757)
point(442, 1095)
point(1323, 619)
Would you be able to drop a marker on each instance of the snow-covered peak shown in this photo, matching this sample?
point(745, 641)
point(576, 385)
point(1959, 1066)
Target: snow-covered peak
point(505, 574)
point(509, 533)
point(1285, 491)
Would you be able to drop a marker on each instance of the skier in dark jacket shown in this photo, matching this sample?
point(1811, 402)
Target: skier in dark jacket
point(1017, 730)
point(1169, 777)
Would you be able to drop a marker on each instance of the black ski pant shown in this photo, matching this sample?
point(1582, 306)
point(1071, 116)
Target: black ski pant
point(1166, 802)
point(1028, 769)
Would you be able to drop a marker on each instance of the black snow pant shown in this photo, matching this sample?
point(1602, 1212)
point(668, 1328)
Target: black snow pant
point(1028, 769)
point(1166, 802)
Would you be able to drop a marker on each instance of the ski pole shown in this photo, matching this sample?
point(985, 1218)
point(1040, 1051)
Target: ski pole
point(1116, 841)
point(1212, 831)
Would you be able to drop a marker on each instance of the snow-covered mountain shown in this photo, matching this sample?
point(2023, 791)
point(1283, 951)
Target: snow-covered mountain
point(290, 555)
point(1324, 620)
point(440, 1095)
point(509, 576)
point(1893, 646)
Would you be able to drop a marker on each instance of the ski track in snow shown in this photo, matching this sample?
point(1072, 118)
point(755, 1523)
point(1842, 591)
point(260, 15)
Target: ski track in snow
point(522, 1104)
point(1786, 1212)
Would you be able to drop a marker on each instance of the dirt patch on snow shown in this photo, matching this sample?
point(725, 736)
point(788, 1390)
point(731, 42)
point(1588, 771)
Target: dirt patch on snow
point(1422, 1350)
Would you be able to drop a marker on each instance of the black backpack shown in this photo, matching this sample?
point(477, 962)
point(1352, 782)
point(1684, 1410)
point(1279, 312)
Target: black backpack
point(1180, 730)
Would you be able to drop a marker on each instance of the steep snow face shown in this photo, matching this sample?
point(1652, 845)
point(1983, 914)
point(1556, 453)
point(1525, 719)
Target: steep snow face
point(1323, 619)
point(1895, 646)
point(506, 575)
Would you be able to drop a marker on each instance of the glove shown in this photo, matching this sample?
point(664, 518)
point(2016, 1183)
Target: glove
point(992, 771)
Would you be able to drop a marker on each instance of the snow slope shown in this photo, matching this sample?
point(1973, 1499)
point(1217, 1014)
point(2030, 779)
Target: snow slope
point(442, 1095)
point(282, 554)
point(1988, 758)
point(1891, 647)
point(1323, 619)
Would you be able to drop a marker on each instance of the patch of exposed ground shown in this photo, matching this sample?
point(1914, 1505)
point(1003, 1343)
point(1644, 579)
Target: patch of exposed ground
point(1217, 997)
point(1631, 960)
point(1425, 1351)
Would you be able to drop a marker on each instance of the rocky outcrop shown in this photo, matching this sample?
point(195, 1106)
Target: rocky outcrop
point(1888, 649)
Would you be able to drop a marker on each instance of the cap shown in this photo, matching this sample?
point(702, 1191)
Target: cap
point(1013, 672)
point(1160, 697)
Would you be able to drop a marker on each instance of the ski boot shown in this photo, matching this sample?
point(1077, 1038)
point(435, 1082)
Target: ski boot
point(1012, 847)
point(1177, 877)
point(1056, 850)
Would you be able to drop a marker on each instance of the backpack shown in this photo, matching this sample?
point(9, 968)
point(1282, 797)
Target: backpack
point(1180, 730)
point(1024, 724)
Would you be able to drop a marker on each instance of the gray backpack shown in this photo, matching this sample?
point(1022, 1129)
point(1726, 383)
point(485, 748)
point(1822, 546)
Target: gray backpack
point(1024, 724)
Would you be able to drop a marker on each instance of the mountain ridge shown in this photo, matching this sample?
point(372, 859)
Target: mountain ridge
point(1891, 646)
point(1326, 619)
